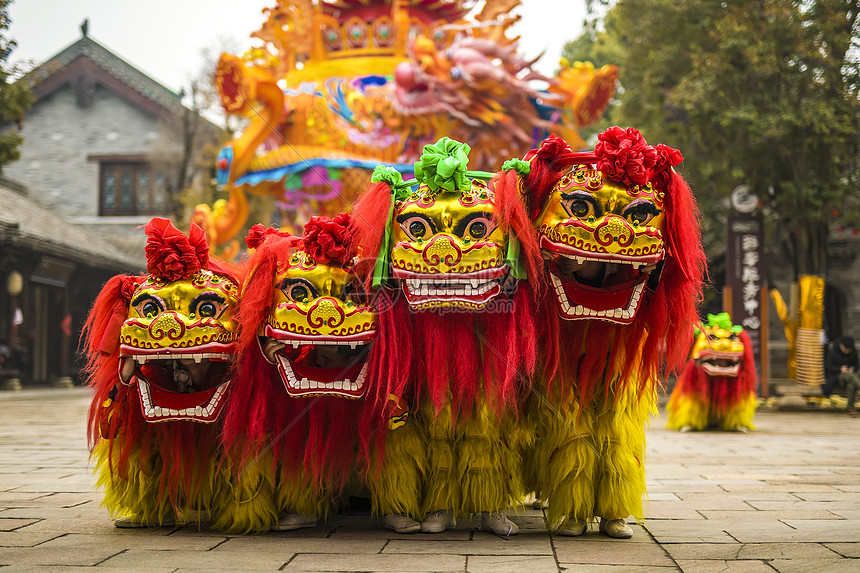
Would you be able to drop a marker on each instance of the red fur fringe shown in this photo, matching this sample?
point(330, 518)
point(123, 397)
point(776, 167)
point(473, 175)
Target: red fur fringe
point(512, 217)
point(184, 448)
point(656, 342)
point(369, 218)
point(318, 435)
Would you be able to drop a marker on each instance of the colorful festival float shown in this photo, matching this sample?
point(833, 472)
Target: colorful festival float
point(336, 87)
point(718, 385)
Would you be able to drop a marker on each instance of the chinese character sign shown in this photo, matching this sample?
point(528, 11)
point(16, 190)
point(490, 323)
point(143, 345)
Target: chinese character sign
point(745, 273)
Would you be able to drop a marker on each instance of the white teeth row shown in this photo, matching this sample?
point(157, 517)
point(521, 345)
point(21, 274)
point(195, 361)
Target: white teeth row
point(346, 385)
point(581, 260)
point(152, 411)
point(579, 310)
point(713, 369)
point(351, 343)
point(198, 358)
point(474, 287)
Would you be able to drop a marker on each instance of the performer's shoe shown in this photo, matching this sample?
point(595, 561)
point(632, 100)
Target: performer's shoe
point(292, 521)
point(400, 523)
point(438, 521)
point(134, 522)
point(687, 429)
point(498, 523)
point(573, 528)
point(616, 528)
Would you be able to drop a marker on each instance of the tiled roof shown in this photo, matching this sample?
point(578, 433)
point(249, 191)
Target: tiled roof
point(114, 65)
point(26, 224)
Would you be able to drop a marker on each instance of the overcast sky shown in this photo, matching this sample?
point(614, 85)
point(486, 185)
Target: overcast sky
point(165, 38)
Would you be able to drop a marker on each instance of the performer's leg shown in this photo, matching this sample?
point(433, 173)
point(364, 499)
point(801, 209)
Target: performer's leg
point(686, 409)
point(564, 462)
point(246, 500)
point(852, 383)
point(489, 468)
point(441, 490)
point(739, 416)
point(132, 489)
point(300, 502)
point(396, 485)
point(620, 434)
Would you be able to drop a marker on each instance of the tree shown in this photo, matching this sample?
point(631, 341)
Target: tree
point(15, 98)
point(763, 93)
point(756, 92)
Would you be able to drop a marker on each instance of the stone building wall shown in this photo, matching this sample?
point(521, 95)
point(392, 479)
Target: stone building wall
point(59, 135)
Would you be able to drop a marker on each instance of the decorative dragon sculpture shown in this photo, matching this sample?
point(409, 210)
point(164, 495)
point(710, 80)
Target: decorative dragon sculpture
point(339, 86)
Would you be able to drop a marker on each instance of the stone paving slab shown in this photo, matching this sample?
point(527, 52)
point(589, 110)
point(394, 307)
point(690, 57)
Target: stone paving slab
point(531, 542)
point(248, 561)
point(817, 566)
point(747, 551)
point(618, 553)
point(398, 563)
point(737, 566)
point(510, 564)
point(782, 498)
point(845, 549)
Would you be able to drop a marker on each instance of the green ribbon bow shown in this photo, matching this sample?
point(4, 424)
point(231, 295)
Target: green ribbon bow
point(443, 165)
point(512, 258)
point(400, 190)
point(523, 168)
point(724, 321)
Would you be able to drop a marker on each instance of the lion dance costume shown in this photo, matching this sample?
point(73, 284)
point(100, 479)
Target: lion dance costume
point(624, 264)
point(718, 385)
point(160, 349)
point(311, 404)
point(451, 247)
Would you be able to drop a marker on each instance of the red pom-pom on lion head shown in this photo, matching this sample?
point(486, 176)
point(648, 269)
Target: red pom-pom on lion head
point(170, 254)
point(258, 234)
point(330, 240)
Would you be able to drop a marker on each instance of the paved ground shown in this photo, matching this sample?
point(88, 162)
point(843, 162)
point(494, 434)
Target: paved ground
point(783, 498)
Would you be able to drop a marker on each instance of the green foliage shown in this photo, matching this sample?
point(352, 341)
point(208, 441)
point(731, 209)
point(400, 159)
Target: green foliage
point(15, 98)
point(763, 93)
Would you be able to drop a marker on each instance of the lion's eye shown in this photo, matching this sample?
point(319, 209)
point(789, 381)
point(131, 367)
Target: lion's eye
point(354, 293)
point(416, 227)
point(298, 290)
point(641, 212)
point(148, 306)
point(579, 208)
point(580, 205)
point(149, 309)
point(478, 230)
point(208, 305)
point(207, 309)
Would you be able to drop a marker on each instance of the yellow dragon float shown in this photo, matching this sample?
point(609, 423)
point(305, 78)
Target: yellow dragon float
point(336, 87)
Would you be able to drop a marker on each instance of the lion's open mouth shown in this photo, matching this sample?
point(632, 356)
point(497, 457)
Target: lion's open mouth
point(176, 387)
point(320, 367)
point(595, 288)
point(721, 364)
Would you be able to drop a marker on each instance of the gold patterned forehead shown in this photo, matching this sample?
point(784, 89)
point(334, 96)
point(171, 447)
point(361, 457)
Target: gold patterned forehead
point(297, 260)
point(590, 180)
point(200, 280)
point(478, 193)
